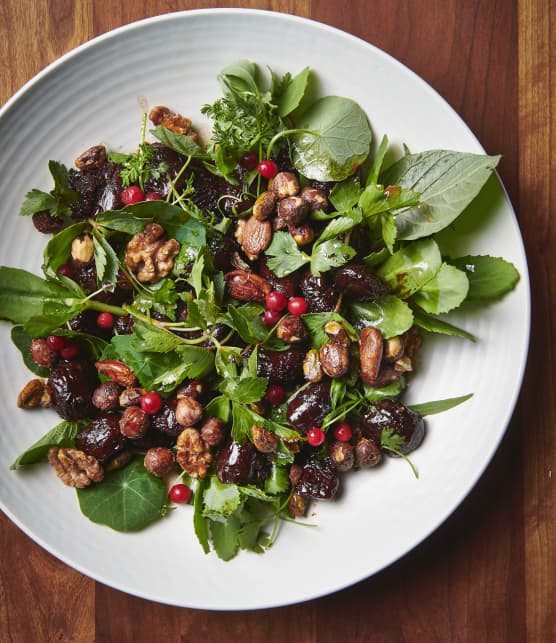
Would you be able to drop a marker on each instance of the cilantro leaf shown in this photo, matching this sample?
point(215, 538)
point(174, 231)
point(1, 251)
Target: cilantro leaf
point(393, 442)
point(286, 257)
point(56, 202)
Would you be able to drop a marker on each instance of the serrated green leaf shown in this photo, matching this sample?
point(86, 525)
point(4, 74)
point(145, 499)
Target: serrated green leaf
point(444, 292)
point(489, 277)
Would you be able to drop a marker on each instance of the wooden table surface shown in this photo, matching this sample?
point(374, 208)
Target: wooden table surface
point(488, 574)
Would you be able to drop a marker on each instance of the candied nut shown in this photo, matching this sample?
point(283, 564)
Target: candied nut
point(213, 431)
point(412, 341)
point(295, 473)
point(334, 359)
point(106, 396)
point(367, 453)
point(192, 389)
point(159, 461)
point(279, 224)
point(284, 184)
point(46, 223)
point(35, 393)
point(342, 455)
point(316, 198)
point(131, 396)
point(403, 365)
point(264, 205)
point(370, 354)
point(336, 333)
point(134, 422)
point(116, 371)
point(188, 411)
point(302, 234)
point(255, 237)
point(247, 286)
point(291, 329)
point(82, 249)
point(293, 210)
point(260, 407)
point(150, 254)
point(118, 461)
point(75, 468)
point(42, 354)
point(312, 369)
point(298, 505)
point(162, 115)
point(393, 349)
point(194, 455)
point(94, 157)
point(264, 440)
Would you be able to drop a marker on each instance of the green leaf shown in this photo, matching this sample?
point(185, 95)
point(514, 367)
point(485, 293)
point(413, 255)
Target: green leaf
point(378, 160)
point(200, 523)
point(242, 421)
point(22, 341)
point(220, 500)
point(448, 181)
point(56, 202)
point(286, 257)
point(339, 226)
point(225, 537)
point(37, 201)
point(328, 255)
point(439, 406)
point(375, 394)
point(315, 323)
point(435, 325)
point(127, 500)
point(58, 250)
point(62, 435)
point(278, 480)
point(489, 277)
point(295, 90)
point(345, 194)
point(179, 143)
point(444, 292)
point(388, 313)
point(107, 263)
point(219, 407)
point(338, 140)
point(244, 391)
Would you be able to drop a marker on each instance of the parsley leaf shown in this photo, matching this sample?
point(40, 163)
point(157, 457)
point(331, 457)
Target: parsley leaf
point(393, 442)
point(56, 202)
point(286, 256)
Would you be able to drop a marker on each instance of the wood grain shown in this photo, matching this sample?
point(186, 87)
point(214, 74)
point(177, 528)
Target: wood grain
point(489, 573)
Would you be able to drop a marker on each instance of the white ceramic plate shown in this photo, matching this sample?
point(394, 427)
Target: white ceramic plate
point(97, 93)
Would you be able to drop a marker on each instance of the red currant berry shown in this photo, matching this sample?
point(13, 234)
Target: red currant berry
point(315, 436)
point(132, 194)
point(343, 432)
point(268, 169)
point(276, 301)
point(179, 494)
point(297, 306)
point(152, 196)
point(66, 270)
point(249, 161)
point(151, 402)
point(70, 350)
point(275, 394)
point(271, 317)
point(105, 320)
point(56, 342)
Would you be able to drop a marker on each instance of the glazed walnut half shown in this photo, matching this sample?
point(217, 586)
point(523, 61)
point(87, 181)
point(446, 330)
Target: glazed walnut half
point(193, 455)
point(150, 255)
point(74, 467)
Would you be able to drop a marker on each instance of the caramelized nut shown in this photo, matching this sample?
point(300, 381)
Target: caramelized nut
point(342, 455)
point(293, 210)
point(119, 461)
point(150, 254)
point(247, 286)
point(134, 423)
point(193, 456)
point(106, 396)
point(42, 354)
point(285, 184)
point(302, 234)
point(94, 157)
point(298, 505)
point(370, 354)
point(263, 439)
point(188, 411)
point(264, 206)
point(75, 468)
point(192, 389)
point(162, 115)
point(116, 371)
point(82, 249)
point(336, 333)
point(316, 198)
point(34, 394)
point(291, 329)
point(295, 473)
point(213, 431)
point(367, 453)
point(131, 396)
point(393, 349)
point(255, 237)
point(159, 461)
point(312, 370)
point(334, 359)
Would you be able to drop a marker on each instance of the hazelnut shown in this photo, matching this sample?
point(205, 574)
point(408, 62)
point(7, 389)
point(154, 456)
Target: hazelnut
point(367, 453)
point(212, 431)
point(298, 505)
point(334, 359)
point(285, 184)
point(291, 329)
point(131, 397)
point(159, 461)
point(264, 440)
point(336, 333)
point(342, 455)
point(42, 354)
point(188, 411)
point(302, 234)
point(106, 396)
point(316, 198)
point(264, 205)
point(94, 157)
point(192, 389)
point(134, 422)
point(82, 249)
point(293, 210)
point(295, 473)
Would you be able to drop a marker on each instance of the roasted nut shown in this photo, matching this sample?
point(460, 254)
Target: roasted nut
point(412, 341)
point(291, 329)
point(118, 461)
point(264, 205)
point(279, 224)
point(298, 505)
point(193, 456)
point(284, 184)
point(295, 473)
point(312, 370)
point(134, 423)
point(192, 389)
point(393, 349)
point(334, 359)
point(255, 236)
point(46, 223)
point(116, 371)
point(94, 157)
point(159, 461)
point(82, 249)
point(131, 397)
point(367, 453)
point(302, 234)
point(336, 333)
point(42, 354)
point(106, 396)
point(316, 198)
point(213, 431)
point(342, 455)
point(74, 468)
point(34, 394)
point(392, 190)
point(188, 411)
point(162, 115)
point(263, 439)
point(293, 210)
point(247, 286)
point(370, 354)
point(150, 254)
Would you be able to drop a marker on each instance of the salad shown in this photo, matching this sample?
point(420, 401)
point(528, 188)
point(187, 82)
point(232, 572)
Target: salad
point(232, 324)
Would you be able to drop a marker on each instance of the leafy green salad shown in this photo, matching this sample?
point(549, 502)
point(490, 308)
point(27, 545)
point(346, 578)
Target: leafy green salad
point(231, 325)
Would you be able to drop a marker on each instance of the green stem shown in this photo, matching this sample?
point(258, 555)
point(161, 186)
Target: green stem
point(93, 304)
point(285, 132)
